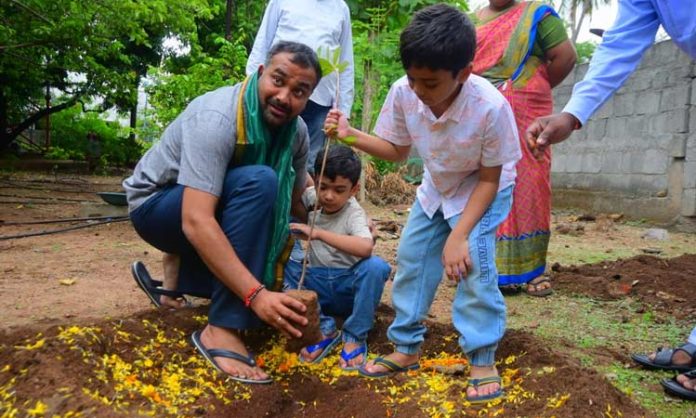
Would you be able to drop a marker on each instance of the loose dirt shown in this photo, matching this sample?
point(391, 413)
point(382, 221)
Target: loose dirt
point(666, 286)
point(79, 337)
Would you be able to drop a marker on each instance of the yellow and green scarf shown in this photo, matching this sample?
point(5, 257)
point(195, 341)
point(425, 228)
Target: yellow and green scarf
point(256, 145)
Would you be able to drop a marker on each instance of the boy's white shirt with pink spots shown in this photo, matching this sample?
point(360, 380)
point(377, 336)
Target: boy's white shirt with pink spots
point(478, 129)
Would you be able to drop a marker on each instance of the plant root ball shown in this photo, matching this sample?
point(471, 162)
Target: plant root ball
point(311, 334)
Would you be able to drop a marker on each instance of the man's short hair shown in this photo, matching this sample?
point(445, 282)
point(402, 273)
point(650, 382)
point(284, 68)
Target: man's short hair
point(302, 55)
point(439, 37)
point(340, 161)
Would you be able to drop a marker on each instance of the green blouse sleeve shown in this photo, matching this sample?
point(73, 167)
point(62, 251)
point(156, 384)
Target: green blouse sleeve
point(550, 33)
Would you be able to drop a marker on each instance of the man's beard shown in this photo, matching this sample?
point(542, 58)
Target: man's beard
point(272, 118)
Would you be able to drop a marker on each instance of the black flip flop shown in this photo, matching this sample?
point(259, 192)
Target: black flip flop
point(211, 353)
point(674, 388)
point(151, 287)
point(663, 358)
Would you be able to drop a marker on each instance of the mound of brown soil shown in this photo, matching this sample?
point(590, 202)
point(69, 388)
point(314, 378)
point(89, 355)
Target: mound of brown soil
point(144, 365)
point(666, 285)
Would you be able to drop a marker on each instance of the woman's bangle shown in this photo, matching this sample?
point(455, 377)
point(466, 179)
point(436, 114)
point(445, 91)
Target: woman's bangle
point(252, 295)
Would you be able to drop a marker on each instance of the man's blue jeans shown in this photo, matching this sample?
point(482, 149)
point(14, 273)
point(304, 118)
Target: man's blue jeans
point(478, 310)
point(352, 293)
point(314, 116)
point(244, 211)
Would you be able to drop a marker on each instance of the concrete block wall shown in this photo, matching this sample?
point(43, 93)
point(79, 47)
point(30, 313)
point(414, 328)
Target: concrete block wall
point(637, 155)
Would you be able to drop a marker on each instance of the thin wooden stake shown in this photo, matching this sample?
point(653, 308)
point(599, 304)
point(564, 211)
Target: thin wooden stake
point(305, 261)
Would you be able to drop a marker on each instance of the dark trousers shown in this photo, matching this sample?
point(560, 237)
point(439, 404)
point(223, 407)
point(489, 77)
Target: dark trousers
point(314, 116)
point(244, 212)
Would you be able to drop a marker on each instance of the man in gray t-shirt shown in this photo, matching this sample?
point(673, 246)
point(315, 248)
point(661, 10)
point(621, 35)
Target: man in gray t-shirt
point(217, 191)
point(348, 279)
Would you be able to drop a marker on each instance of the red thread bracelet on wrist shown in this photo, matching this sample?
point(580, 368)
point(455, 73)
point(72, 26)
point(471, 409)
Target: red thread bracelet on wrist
point(252, 294)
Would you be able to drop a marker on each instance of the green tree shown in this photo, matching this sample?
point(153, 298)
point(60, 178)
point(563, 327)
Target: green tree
point(211, 60)
point(576, 11)
point(377, 25)
point(585, 51)
point(81, 50)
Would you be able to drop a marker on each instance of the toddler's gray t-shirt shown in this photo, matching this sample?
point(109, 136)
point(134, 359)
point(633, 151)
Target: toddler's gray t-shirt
point(350, 220)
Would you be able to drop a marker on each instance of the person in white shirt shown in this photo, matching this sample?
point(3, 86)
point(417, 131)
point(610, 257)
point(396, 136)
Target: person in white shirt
point(319, 24)
point(465, 131)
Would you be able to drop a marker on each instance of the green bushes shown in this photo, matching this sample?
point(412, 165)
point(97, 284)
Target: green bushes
point(78, 135)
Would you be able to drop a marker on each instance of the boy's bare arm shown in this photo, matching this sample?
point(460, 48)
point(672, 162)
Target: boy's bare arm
point(350, 244)
point(337, 124)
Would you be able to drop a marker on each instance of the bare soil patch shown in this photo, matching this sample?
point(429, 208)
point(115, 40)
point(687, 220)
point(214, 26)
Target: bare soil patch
point(667, 286)
point(79, 336)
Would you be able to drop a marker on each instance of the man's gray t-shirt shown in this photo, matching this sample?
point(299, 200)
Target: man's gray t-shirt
point(350, 220)
point(197, 147)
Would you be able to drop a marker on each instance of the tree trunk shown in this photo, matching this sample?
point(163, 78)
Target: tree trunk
point(134, 111)
point(369, 79)
point(576, 29)
point(228, 20)
point(3, 120)
point(9, 133)
point(573, 20)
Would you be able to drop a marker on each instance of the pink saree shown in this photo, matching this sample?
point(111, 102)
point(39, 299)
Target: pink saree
point(503, 57)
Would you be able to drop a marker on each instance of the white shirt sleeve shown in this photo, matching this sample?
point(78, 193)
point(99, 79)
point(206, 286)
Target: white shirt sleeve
point(347, 76)
point(264, 38)
point(616, 57)
point(391, 123)
point(501, 142)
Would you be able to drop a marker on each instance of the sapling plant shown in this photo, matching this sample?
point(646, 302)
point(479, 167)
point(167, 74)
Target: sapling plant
point(330, 63)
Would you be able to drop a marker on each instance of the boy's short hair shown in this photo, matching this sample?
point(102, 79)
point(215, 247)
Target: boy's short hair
point(340, 161)
point(439, 37)
point(302, 55)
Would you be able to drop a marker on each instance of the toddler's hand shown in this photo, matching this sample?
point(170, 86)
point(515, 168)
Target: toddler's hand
point(300, 230)
point(456, 259)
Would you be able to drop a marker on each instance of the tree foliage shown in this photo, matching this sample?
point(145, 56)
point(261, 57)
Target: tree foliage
point(209, 61)
point(79, 50)
point(89, 49)
point(576, 11)
point(585, 51)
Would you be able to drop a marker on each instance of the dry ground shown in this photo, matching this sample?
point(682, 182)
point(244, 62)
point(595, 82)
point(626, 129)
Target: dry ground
point(81, 278)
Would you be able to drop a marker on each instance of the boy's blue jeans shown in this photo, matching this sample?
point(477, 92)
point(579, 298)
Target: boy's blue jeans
point(243, 212)
point(352, 293)
point(478, 310)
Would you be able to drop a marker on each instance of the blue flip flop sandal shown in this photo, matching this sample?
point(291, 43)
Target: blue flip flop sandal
point(353, 354)
point(211, 353)
point(485, 398)
point(151, 287)
point(392, 368)
point(327, 344)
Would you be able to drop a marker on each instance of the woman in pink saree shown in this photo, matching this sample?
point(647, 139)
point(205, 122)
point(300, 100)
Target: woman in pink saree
point(523, 49)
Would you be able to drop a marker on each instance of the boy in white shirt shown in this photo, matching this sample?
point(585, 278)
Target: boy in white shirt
point(465, 131)
point(342, 270)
